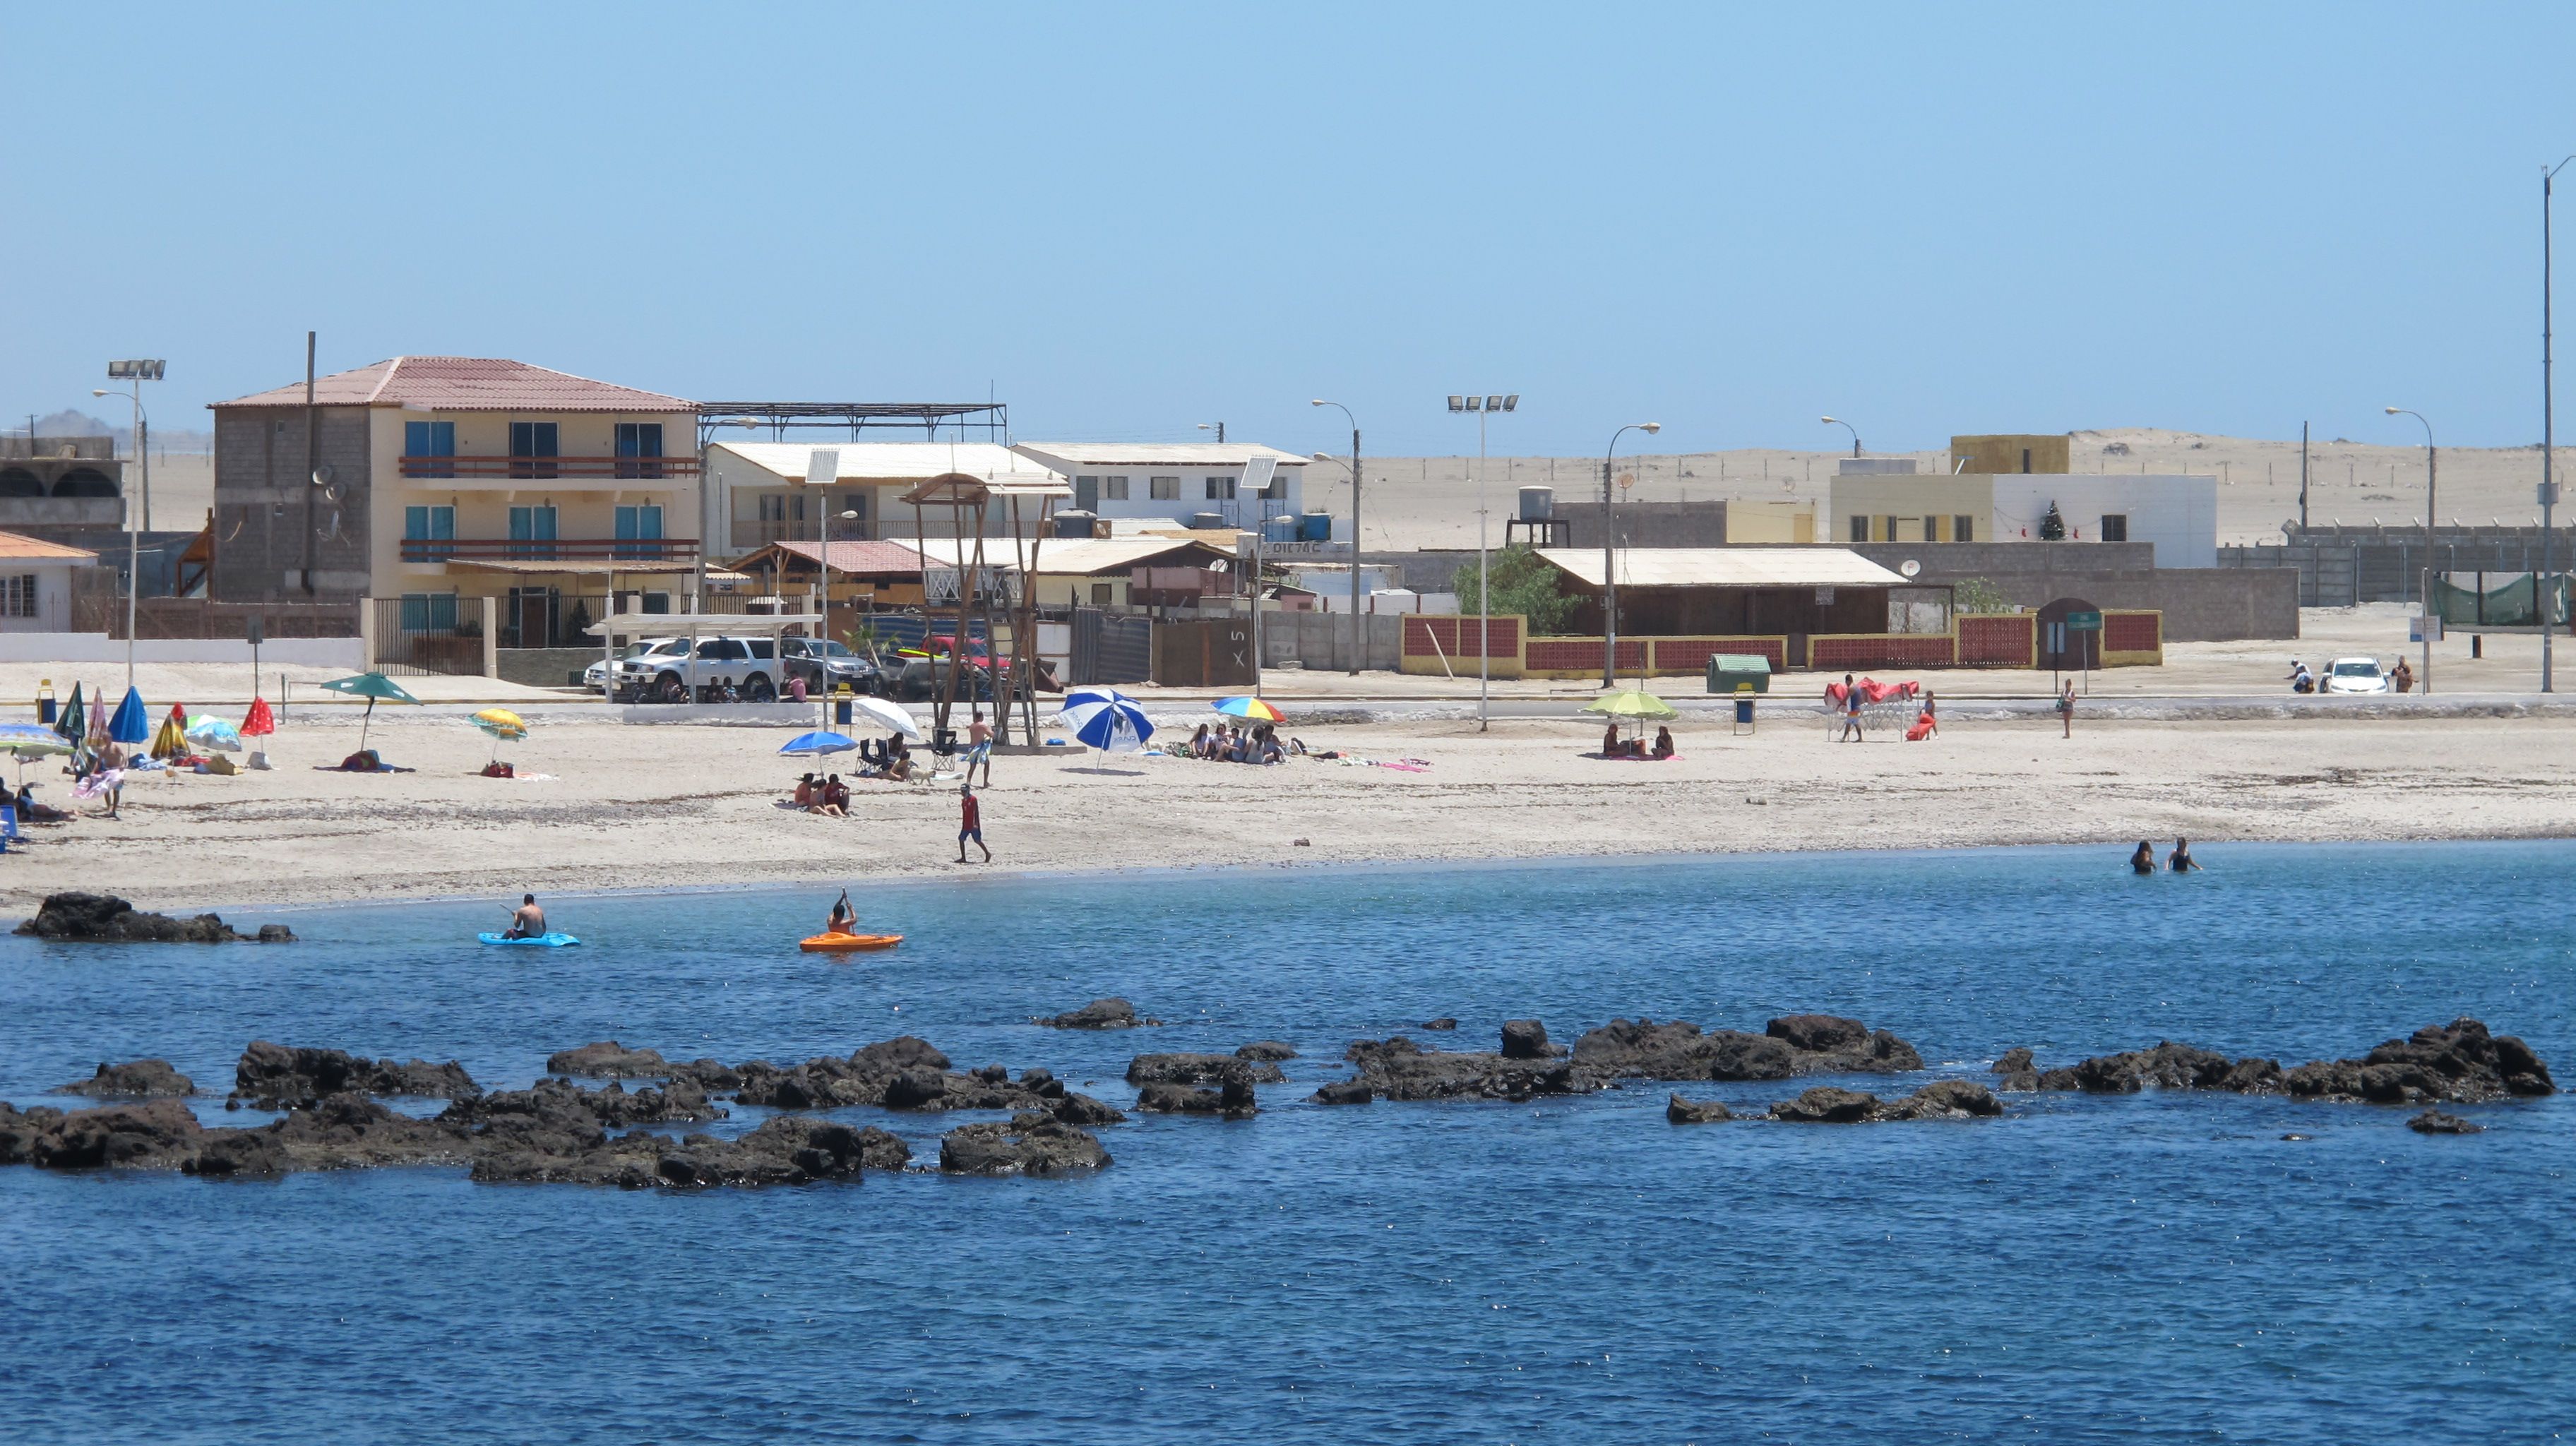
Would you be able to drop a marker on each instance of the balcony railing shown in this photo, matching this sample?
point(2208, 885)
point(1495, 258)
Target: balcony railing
point(636, 468)
point(751, 535)
point(550, 549)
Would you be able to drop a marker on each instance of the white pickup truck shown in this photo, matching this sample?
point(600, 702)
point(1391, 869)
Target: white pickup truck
point(670, 671)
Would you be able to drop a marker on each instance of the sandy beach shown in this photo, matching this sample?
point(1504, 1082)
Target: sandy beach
point(674, 806)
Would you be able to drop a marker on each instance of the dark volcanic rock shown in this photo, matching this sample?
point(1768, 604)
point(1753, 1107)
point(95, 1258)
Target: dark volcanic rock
point(2435, 1122)
point(1081, 1109)
point(238, 1153)
point(608, 1060)
point(142, 1079)
point(1943, 1099)
point(1399, 1069)
point(1031, 1144)
point(789, 1150)
point(1443, 1022)
point(1527, 1039)
point(1110, 1013)
point(158, 1134)
point(2015, 1061)
point(19, 1128)
point(900, 1073)
point(1267, 1050)
point(101, 918)
point(560, 1100)
point(1199, 1069)
point(1825, 1105)
point(1793, 1045)
point(1233, 1099)
point(2458, 1061)
point(272, 1076)
point(1345, 1092)
point(350, 1132)
point(1696, 1112)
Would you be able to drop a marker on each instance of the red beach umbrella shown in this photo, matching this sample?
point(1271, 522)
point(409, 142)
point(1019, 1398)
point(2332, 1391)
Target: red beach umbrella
point(259, 722)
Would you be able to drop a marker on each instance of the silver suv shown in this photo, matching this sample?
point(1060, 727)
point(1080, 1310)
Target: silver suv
point(670, 671)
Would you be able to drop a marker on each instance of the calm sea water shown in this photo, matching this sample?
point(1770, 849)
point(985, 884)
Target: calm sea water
point(2154, 1268)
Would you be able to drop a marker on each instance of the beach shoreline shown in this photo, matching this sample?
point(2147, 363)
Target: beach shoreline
point(626, 810)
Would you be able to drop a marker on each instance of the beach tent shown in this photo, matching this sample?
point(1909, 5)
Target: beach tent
point(370, 686)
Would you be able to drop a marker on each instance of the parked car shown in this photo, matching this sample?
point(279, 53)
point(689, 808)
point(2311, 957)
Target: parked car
point(671, 673)
point(813, 658)
point(595, 676)
point(923, 679)
point(2355, 675)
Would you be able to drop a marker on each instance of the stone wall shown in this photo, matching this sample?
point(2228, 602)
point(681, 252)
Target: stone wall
point(543, 667)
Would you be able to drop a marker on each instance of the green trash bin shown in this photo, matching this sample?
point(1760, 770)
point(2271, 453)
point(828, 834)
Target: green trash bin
point(1727, 671)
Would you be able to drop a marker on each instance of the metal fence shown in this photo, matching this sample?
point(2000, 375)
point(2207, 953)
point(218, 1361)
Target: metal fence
point(2342, 572)
point(417, 636)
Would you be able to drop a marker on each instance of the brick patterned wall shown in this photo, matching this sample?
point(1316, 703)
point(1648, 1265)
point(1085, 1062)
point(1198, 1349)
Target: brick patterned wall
point(1575, 655)
point(1880, 650)
point(1456, 636)
point(1998, 640)
point(2132, 632)
point(1691, 655)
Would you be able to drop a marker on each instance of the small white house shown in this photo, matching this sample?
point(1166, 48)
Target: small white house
point(1174, 481)
point(36, 583)
point(2177, 512)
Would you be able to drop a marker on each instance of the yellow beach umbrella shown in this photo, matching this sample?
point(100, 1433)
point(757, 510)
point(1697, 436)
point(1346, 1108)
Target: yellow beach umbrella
point(1632, 703)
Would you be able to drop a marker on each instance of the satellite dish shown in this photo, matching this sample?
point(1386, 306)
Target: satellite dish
point(323, 474)
point(1909, 567)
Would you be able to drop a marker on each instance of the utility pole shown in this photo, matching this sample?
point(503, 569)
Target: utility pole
point(312, 470)
point(2546, 592)
point(1357, 654)
point(2303, 476)
point(1483, 407)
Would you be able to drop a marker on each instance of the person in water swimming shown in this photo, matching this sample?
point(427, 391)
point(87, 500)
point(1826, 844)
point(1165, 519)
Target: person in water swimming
point(2180, 860)
point(529, 922)
point(2144, 860)
point(844, 918)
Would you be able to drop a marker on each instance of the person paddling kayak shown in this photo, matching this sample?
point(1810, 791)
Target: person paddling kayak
point(529, 922)
point(845, 920)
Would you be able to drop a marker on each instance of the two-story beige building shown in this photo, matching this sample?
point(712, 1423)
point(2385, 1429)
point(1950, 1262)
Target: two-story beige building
point(442, 481)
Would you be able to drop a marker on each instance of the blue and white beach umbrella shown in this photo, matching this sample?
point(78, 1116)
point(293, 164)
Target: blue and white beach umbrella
point(1106, 719)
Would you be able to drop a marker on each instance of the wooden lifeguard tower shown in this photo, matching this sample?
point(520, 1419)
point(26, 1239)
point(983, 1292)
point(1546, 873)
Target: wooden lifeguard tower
point(970, 502)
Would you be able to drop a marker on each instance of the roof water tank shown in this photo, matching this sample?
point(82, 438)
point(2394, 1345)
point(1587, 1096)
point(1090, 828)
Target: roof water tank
point(1073, 522)
point(1538, 504)
point(1315, 527)
point(1207, 521)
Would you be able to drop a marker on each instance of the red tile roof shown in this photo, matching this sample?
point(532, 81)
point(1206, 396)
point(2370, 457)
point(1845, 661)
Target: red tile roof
point(868, 557)
point(465, 384)
point(18, 547)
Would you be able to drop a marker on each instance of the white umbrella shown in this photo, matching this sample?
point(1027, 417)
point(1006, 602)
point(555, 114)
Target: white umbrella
point(887, 714)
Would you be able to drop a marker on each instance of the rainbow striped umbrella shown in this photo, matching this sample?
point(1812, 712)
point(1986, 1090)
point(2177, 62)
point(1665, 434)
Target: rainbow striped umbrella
point(1248, 706)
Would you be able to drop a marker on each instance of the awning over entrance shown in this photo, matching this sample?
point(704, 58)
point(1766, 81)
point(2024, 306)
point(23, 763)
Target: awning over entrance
point(1727, 567)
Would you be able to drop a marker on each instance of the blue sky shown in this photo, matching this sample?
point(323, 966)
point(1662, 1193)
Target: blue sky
point(1123, 222)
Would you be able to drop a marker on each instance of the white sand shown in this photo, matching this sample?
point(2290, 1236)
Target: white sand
point(636, 807)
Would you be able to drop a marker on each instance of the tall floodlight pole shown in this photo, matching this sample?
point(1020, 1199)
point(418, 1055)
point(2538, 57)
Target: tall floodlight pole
point(1356, 653)
point(2547, 591)
point(1846, 426)
point(134, 374)
point(822, 469)
point(1610, 558)
point(2425, 624)
point(1483, 407)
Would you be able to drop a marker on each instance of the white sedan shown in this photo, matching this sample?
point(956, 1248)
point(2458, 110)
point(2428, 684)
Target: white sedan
point(2355, 675)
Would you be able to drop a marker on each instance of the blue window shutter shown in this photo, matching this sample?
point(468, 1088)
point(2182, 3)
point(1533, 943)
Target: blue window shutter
point(648, 522)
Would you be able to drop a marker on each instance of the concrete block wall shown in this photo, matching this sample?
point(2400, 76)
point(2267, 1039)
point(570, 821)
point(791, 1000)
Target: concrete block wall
point(261, 485)
point(1322, 641)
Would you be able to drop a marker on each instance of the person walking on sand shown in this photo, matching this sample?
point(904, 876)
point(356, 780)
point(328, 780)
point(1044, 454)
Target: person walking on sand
point(1851, 711)
point(2066, 710)
point(529, 922)
point(970, 823)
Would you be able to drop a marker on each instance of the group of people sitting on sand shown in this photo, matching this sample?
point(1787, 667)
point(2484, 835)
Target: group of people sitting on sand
point(893, 760)
point(1234, 743)
point(1614, 746)
point(828, 795)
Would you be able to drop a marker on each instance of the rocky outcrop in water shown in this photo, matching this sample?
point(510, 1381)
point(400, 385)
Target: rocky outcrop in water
point(1794, 1044)
point(1267, 1051)
point(1031, 1144)
point(141, 1079)
point(2016, 1070)
point(1948, 1099)
point(277, 1076)
point(1696, 1112)
point(2437, 1122)
point(2459, 1061)
point(1444, 1022)
point(682, 1101)
point(1112, 1013)
point(1233, 1098)
point(1199, 1069)
point(1399, 1069)
point(789, 1150)
point(105, 919)
point(608, 1059)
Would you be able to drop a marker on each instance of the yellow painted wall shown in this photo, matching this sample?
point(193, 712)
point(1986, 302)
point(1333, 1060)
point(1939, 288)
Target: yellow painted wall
point(1770, 521)
point(1897, 506)
point(2002, 452)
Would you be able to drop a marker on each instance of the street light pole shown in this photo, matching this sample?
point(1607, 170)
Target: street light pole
point(134, 375)
point(2425, 624)
point(1846, 426)
point(1356, 652)
point(2546, 592)
point(823, 468)
point(1483, 407)
point(1610, 558)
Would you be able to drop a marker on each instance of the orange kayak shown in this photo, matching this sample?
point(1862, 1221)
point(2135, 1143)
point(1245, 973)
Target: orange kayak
point(848, 943)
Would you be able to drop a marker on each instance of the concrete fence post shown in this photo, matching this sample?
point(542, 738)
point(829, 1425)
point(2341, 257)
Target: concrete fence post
point(491, 636)
point(367, 633)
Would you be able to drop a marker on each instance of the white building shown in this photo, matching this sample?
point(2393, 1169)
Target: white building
point(2176, 512)
point(760, 492)
point(1174, 481)
point(36, 583)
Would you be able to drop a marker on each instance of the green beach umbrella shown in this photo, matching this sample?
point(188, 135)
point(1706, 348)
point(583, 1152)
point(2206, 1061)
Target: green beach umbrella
point(370, 686)
point(1632, 704)
point(73, 719)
